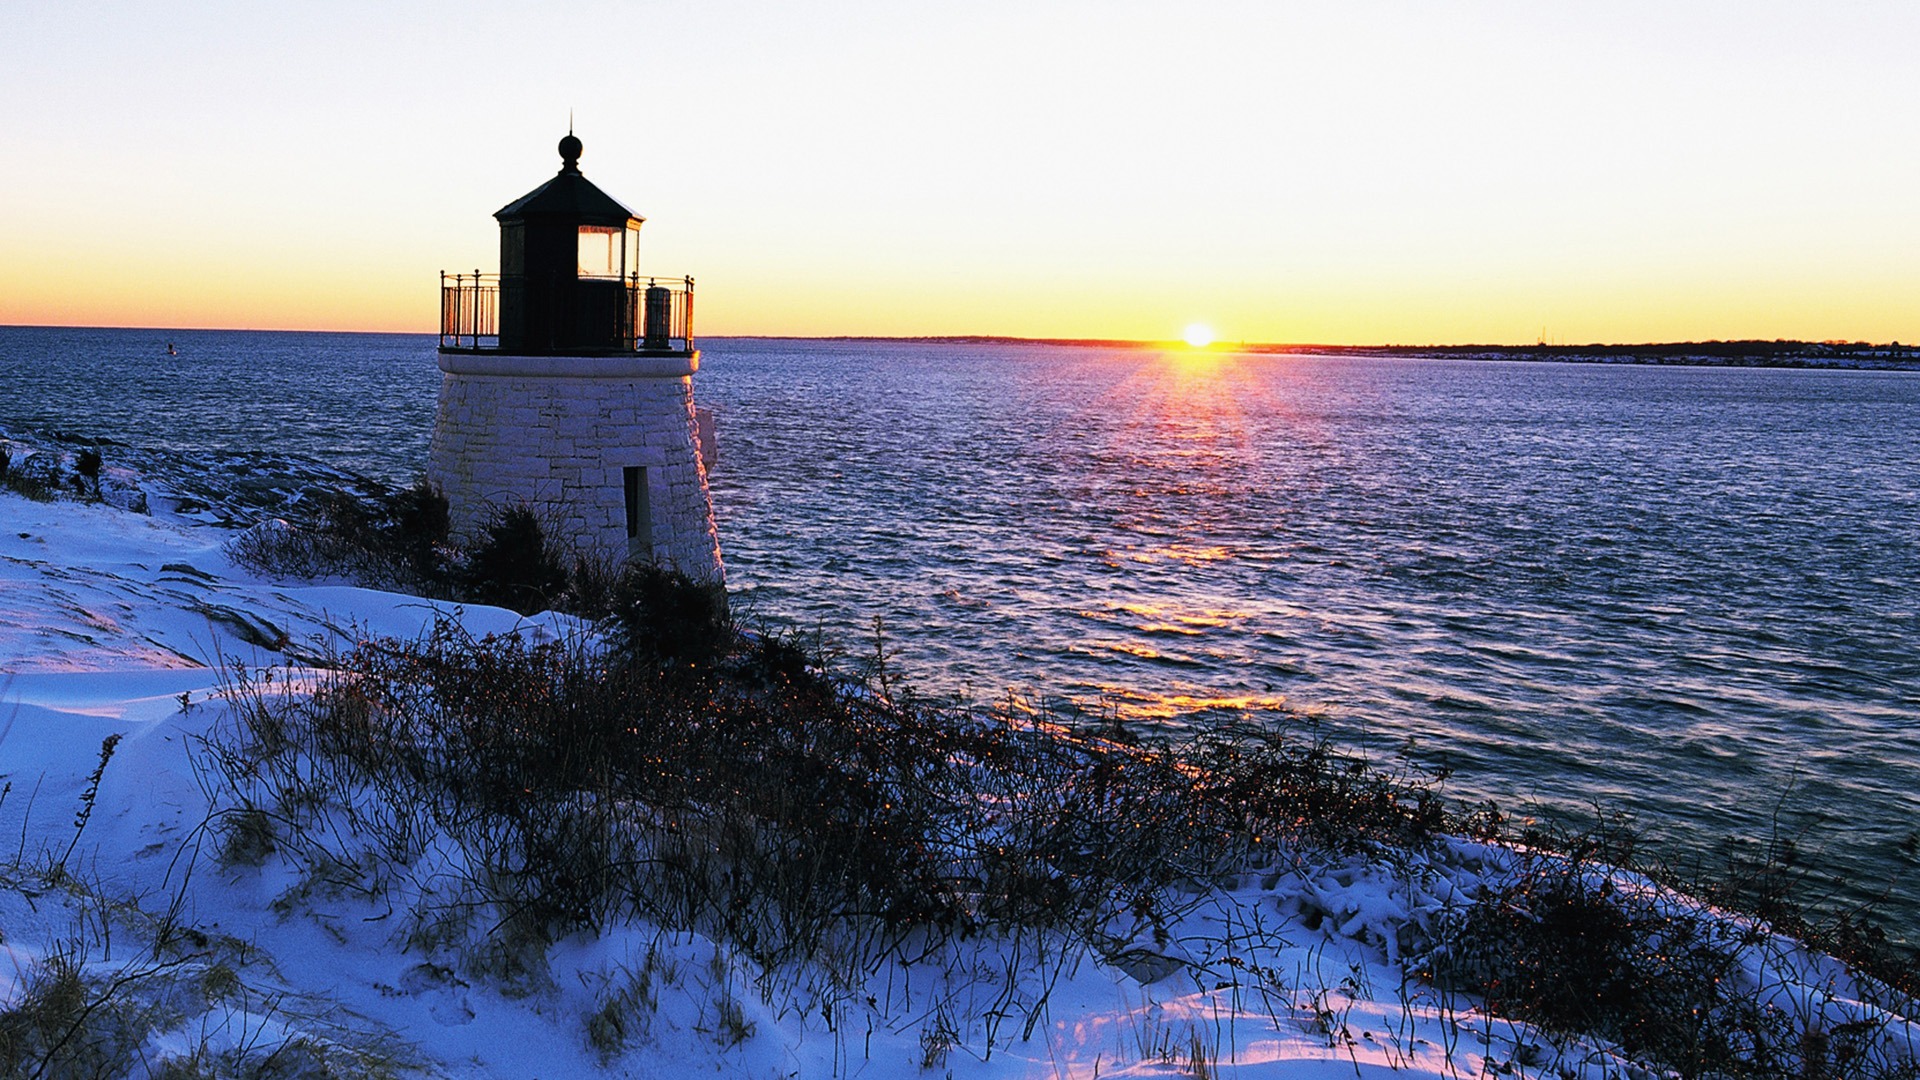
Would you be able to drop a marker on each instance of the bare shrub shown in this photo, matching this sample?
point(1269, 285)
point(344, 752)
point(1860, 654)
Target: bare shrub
point(701, 779)
point(665, 618)
point(24, 481)
point(513, 565)
point(246, 837)
point(1573, 943)
point(67, 1026)
point(86, 467)
point(50, 1018)
point(387, 539)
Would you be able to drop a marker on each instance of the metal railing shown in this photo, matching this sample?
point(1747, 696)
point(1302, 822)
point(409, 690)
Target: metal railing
point(659, 313)
point(642, 314)
point(469, 311)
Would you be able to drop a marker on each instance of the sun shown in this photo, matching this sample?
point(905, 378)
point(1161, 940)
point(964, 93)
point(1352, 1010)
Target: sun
point(1198, 335)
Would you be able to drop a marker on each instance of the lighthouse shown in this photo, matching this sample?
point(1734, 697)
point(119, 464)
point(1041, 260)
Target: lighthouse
point(566, 386)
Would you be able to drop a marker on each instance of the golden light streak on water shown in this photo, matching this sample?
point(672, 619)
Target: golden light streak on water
point(1131, 703)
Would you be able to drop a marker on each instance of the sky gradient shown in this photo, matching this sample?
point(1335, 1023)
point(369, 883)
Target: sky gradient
point(1351, 173)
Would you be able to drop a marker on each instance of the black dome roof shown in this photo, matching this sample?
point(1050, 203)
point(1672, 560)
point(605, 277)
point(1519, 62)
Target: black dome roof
point(569, 196)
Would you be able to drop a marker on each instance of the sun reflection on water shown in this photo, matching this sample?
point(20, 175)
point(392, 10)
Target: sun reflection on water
point(1129, 703)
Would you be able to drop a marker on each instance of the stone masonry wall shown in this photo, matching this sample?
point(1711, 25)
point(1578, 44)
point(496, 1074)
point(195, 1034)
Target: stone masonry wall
point(555, 433)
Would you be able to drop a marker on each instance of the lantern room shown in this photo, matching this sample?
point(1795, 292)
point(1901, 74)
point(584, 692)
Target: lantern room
point(569, 281)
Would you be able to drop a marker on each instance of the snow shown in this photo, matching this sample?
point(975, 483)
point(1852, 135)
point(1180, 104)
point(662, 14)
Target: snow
point(119, 624)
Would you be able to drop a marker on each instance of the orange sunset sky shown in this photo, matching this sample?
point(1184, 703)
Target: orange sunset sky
point(1353, 172)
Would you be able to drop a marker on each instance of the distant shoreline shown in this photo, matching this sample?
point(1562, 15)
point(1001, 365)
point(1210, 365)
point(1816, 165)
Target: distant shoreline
point(1776, 354)
point(1787, 354)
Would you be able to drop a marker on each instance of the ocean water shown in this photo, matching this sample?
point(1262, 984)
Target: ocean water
point(1685, 594)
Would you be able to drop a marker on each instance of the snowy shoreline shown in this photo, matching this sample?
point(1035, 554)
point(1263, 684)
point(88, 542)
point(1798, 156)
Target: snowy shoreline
point(125, 627)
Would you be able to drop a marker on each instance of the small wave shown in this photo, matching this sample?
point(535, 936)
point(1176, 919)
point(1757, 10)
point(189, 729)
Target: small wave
point(1180, 629)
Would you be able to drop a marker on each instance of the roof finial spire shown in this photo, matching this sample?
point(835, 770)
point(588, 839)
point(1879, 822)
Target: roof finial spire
point(570, 149)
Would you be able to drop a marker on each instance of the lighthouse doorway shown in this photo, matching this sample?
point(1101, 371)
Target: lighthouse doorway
point(639, 514)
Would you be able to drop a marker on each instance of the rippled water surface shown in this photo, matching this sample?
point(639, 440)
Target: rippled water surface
point(1684, 592)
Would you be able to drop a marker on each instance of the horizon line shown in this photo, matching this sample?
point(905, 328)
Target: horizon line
point(1775, 344)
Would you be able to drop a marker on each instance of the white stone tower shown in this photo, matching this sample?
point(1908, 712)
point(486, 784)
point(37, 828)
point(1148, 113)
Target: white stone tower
point(566, 386)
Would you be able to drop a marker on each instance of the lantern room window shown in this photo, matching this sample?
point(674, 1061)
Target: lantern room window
point(602, 255)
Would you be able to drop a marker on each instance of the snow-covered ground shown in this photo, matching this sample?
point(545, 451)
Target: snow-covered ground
point(119, 624)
